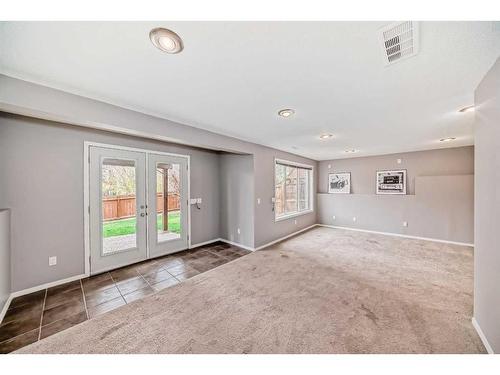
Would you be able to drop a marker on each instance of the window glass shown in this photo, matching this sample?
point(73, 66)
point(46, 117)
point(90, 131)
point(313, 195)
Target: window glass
point(292, 189)
point(303, 189)
point(279, 194)
point(168, 214)
point(119, 222)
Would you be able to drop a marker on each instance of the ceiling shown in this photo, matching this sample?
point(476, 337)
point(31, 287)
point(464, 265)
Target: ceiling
point(233, 77)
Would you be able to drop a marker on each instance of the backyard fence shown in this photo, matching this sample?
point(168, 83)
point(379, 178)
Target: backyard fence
point(121, 207)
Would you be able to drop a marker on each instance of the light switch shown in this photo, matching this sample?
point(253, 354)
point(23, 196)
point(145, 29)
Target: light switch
point(258, 200)
point(198, 200)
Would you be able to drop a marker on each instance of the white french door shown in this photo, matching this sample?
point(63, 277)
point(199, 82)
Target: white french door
point(168, 230)
point(138, 206)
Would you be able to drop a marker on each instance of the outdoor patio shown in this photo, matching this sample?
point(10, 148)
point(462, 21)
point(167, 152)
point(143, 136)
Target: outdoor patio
point(128, 241)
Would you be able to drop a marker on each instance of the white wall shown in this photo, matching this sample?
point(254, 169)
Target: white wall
point(487, 208)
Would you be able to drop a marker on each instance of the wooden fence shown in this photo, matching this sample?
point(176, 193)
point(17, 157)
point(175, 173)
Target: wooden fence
point(121, 207)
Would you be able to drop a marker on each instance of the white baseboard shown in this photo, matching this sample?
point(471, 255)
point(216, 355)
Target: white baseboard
point(267, 244)
point(204, 243)
point(5, 308)
point(47, 285)
point(397, 235)
point(482, 336)
point(285, 237)
point(236, 244)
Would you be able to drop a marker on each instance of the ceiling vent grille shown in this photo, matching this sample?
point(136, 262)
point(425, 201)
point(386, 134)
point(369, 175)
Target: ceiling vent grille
point(399, 41)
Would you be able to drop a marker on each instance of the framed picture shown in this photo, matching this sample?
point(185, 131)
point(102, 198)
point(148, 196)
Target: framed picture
point(391, 182)
point(339, 183)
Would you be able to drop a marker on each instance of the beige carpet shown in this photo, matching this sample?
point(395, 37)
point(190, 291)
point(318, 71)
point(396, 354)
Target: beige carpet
point(324, 291)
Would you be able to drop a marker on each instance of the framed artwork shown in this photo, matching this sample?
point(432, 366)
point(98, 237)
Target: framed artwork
point(339, 183)
point(391, 182)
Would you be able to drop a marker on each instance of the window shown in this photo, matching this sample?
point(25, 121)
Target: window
point(293, 189)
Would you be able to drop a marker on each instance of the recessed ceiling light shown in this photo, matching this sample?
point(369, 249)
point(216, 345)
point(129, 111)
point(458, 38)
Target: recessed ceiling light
point(325, 136)
point(448, 139)
point(469, 108)
point(166, 40)
point(351, 151)
point(286, 112)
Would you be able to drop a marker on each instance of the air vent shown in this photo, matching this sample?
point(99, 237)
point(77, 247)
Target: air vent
point(399, 41)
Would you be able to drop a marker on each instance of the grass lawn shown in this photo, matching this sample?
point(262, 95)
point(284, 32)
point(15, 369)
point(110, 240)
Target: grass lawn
point(127, 226)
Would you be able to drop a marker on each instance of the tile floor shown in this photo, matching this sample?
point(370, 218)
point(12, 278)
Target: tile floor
point(38, 315)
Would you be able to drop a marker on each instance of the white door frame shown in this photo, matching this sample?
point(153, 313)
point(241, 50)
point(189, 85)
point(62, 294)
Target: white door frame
point(86, 190)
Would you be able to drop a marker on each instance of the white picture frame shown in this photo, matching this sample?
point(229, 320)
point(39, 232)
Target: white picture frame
point(391, 182)
point(339, 183)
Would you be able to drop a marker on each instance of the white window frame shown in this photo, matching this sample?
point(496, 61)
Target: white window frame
point(311, 191)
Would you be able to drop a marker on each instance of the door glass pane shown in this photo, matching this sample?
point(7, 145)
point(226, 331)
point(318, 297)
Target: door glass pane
point(168, 204)
point(279, 194)
point(304, 200)
point(119, 222)
point(290, 189)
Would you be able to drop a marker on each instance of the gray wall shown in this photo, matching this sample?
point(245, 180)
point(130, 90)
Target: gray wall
point(487, 203)
point(17, 96)
point(236, 198)
point(439, 204)
point(266, 228)
point(442, 162)
point(5, 286)
point(42, 183)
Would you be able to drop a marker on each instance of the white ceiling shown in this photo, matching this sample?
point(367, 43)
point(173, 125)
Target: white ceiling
point(232, 78)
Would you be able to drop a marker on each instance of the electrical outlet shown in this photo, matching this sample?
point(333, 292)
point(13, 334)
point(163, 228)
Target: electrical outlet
point(333, 217)
point(405, 223)
point(354, 219)
point(399, 161)
point(295, 222)
point(52, 261)
point(239, 231)
point(258, 200)
point(329, 166)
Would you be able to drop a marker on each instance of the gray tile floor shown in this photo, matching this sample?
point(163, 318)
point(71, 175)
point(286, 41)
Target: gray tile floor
point(38, 315)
